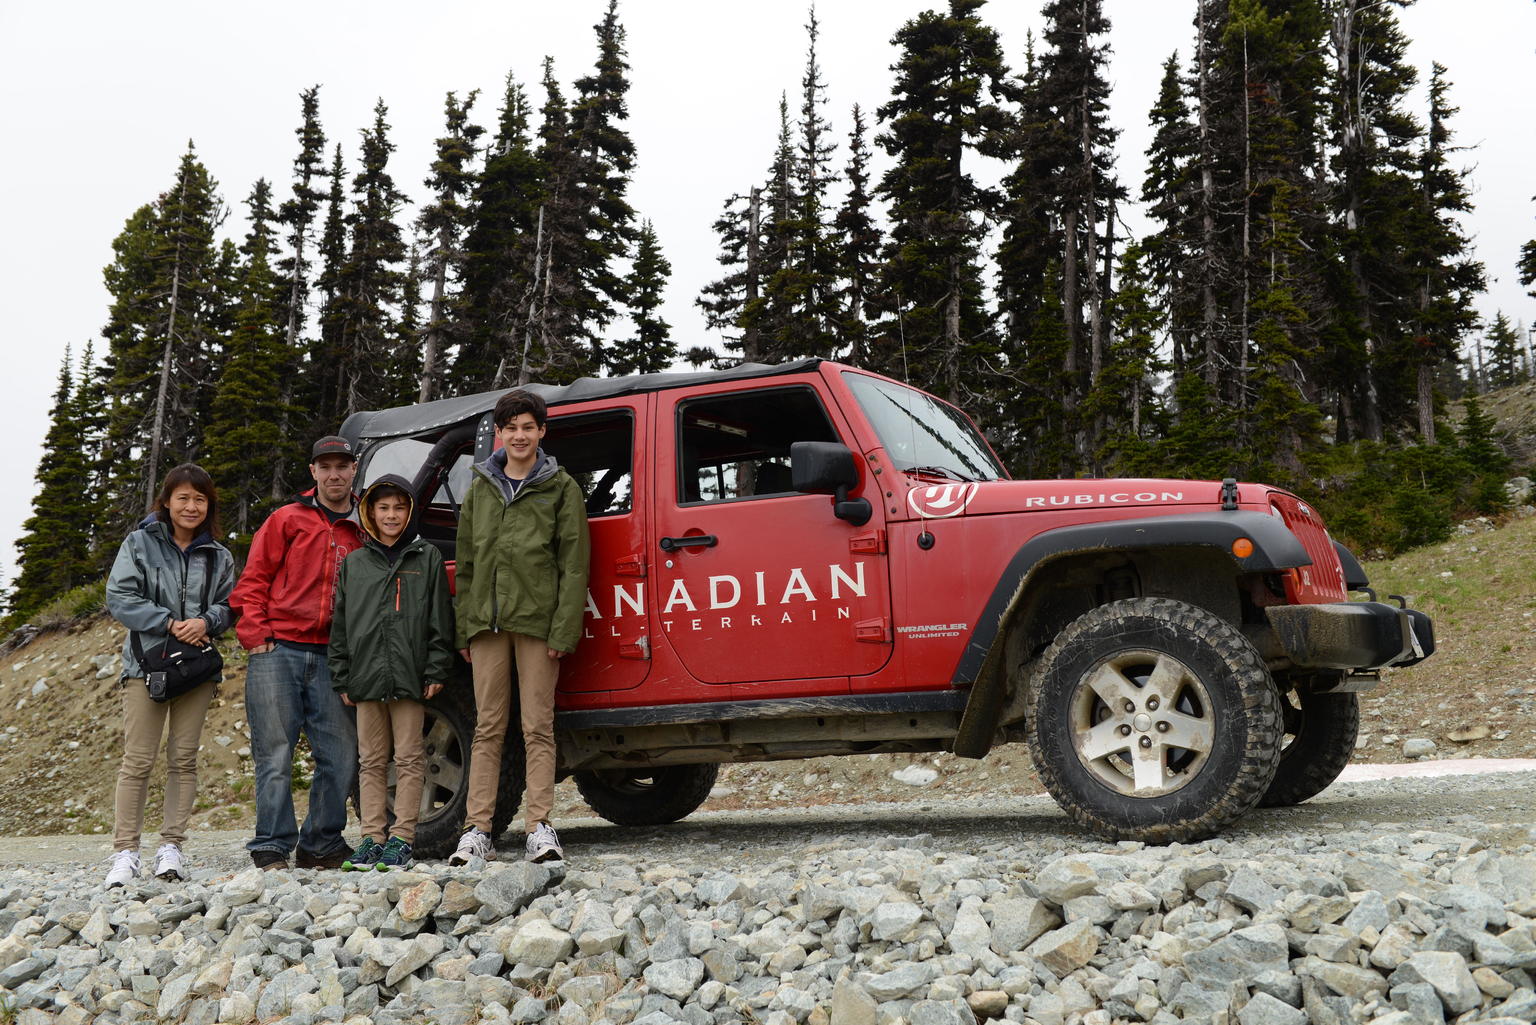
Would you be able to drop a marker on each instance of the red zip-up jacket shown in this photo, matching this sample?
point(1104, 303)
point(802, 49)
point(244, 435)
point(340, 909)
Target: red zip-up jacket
point(287, 591)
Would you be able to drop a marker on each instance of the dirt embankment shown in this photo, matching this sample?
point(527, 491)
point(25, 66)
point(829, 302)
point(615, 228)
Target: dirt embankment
point(60, 712)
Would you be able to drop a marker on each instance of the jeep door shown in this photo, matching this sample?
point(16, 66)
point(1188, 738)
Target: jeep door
point(597, 448)
point(756, 584)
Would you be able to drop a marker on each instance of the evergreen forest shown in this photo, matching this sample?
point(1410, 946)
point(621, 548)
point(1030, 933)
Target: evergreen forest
point(1300, 312)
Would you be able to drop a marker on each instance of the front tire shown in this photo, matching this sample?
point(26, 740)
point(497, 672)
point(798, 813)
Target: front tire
point(1154, 720)
point(646, 797)
point(1320, 734)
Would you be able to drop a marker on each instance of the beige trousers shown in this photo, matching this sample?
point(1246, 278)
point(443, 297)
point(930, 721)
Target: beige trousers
point(492, 655)
point(386, 728)
point(180, 722)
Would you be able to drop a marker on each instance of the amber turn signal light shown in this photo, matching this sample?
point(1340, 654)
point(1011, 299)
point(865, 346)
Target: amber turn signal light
point(1242, 548)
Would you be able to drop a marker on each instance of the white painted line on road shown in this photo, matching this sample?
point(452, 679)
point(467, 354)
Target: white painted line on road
point(1446, 767)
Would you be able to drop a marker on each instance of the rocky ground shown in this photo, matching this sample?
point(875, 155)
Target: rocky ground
point(1402, 902)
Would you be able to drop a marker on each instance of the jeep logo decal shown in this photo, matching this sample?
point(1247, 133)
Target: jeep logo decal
point(941, 501)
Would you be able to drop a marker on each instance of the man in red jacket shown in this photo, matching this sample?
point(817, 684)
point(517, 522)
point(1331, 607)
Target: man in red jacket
point(285, 598)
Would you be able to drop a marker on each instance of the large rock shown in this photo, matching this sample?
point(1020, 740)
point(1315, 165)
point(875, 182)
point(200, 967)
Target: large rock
point(508, 889)
point(1243, 954)
point(1018, 923)
point(1067, 949)
point(1447, 972)
point(851, 1004)
point(677, 978)
point(536, 942)
point(1066, 878)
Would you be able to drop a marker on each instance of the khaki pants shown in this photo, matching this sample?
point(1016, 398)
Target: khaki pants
point(491, 658)
point(144, 723)
point(385, 727)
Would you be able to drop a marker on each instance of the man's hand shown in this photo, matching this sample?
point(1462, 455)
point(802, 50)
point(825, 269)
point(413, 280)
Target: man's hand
point(464, 654)
point(432, 691)
point(262, 649)
point(190, 631)
point(348, 701)
point(555, 655)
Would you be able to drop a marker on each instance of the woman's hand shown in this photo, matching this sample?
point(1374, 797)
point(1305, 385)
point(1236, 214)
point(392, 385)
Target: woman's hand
point(190, 631)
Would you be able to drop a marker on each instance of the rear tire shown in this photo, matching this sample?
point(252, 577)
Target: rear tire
point(1320, 734)
point(1154, 720)
point(646, 797)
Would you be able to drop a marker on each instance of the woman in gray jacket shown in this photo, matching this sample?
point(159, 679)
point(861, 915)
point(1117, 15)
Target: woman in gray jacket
point(157, 587)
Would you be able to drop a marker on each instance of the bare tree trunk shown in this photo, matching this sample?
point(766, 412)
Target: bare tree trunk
point(1427, 402)
point(750, 340)
point(153, 468)
point(1207, 217)
point(534, 303)
point(1240, 385)
point(435, 321)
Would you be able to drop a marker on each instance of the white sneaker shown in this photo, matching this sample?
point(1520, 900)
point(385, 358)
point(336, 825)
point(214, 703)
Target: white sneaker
point(124, 870)
point(474, 843)
point(168, 863)
point(544, 844)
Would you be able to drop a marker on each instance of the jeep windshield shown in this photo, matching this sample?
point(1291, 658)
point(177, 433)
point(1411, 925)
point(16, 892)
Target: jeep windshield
point(921, 434)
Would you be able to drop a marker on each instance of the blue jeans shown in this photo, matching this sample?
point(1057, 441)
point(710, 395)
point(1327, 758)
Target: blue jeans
point(288, 689)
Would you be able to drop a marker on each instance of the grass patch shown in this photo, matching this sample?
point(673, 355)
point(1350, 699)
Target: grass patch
point(71, 607)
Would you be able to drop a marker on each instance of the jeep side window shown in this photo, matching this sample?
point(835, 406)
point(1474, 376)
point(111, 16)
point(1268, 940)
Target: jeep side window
point(402, 457)
point(737, 446)
point(599, 452)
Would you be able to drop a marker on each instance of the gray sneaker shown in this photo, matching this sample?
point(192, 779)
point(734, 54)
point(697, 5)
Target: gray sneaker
point(544, 844)
point(474, 843)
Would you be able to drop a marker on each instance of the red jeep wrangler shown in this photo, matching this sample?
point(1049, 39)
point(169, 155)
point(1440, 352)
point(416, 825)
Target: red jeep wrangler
point(810, 559)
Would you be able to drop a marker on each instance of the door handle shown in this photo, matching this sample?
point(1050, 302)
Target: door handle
point(672, 544)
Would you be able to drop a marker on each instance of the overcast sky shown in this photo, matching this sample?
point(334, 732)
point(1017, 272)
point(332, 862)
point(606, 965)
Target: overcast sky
point(98, 100)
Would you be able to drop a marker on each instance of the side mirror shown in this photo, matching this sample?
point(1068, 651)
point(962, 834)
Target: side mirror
point(827, 468)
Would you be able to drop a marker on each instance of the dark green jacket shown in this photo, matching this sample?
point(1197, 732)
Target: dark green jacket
point(522, 556)
point(392, 633)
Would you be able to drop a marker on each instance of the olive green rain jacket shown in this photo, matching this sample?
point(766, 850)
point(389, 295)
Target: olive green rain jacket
point(522, 554)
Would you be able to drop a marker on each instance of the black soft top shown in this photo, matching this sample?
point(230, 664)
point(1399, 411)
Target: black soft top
point(367, 426)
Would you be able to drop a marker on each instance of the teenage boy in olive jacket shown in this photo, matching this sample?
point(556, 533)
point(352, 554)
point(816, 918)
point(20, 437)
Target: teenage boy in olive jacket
point(391, 647)
point(521, 580)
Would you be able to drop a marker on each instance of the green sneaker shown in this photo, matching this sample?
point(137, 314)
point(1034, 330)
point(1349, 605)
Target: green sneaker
point(364, 858)
point(394, 854)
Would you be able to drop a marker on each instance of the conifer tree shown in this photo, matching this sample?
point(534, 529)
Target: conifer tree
point(444, 221)
point(560, 341)
point(501, 246)
point(605, 157)
point(800, 293)
point(1074, 90)
point(1373, 141)
point(297, 215)
point(1169, 192)
point(857, 238)
point(368, 285)
point(323, 382)
point(650, 349)
point(245, 431)
point(725, 300)
point(771, 317)
point(951, 82)
point(169, 291)
point(1527, 267)
point(54, 551)
point(408, 352)
point(1124, 397)
point(1506, 363)
point(1448, 277)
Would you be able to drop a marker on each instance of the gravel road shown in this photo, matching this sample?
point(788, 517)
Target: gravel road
point(1496, 808)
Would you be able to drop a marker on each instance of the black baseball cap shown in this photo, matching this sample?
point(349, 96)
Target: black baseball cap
point(332, 445)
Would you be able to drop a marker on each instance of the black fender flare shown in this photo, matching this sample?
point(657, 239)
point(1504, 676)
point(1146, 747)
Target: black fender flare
point(1275, 548)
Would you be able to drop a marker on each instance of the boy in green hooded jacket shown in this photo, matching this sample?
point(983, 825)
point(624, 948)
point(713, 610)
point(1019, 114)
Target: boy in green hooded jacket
point(391, 647)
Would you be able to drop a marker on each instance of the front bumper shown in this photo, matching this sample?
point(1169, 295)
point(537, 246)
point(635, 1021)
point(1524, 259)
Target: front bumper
point(1352, 635)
